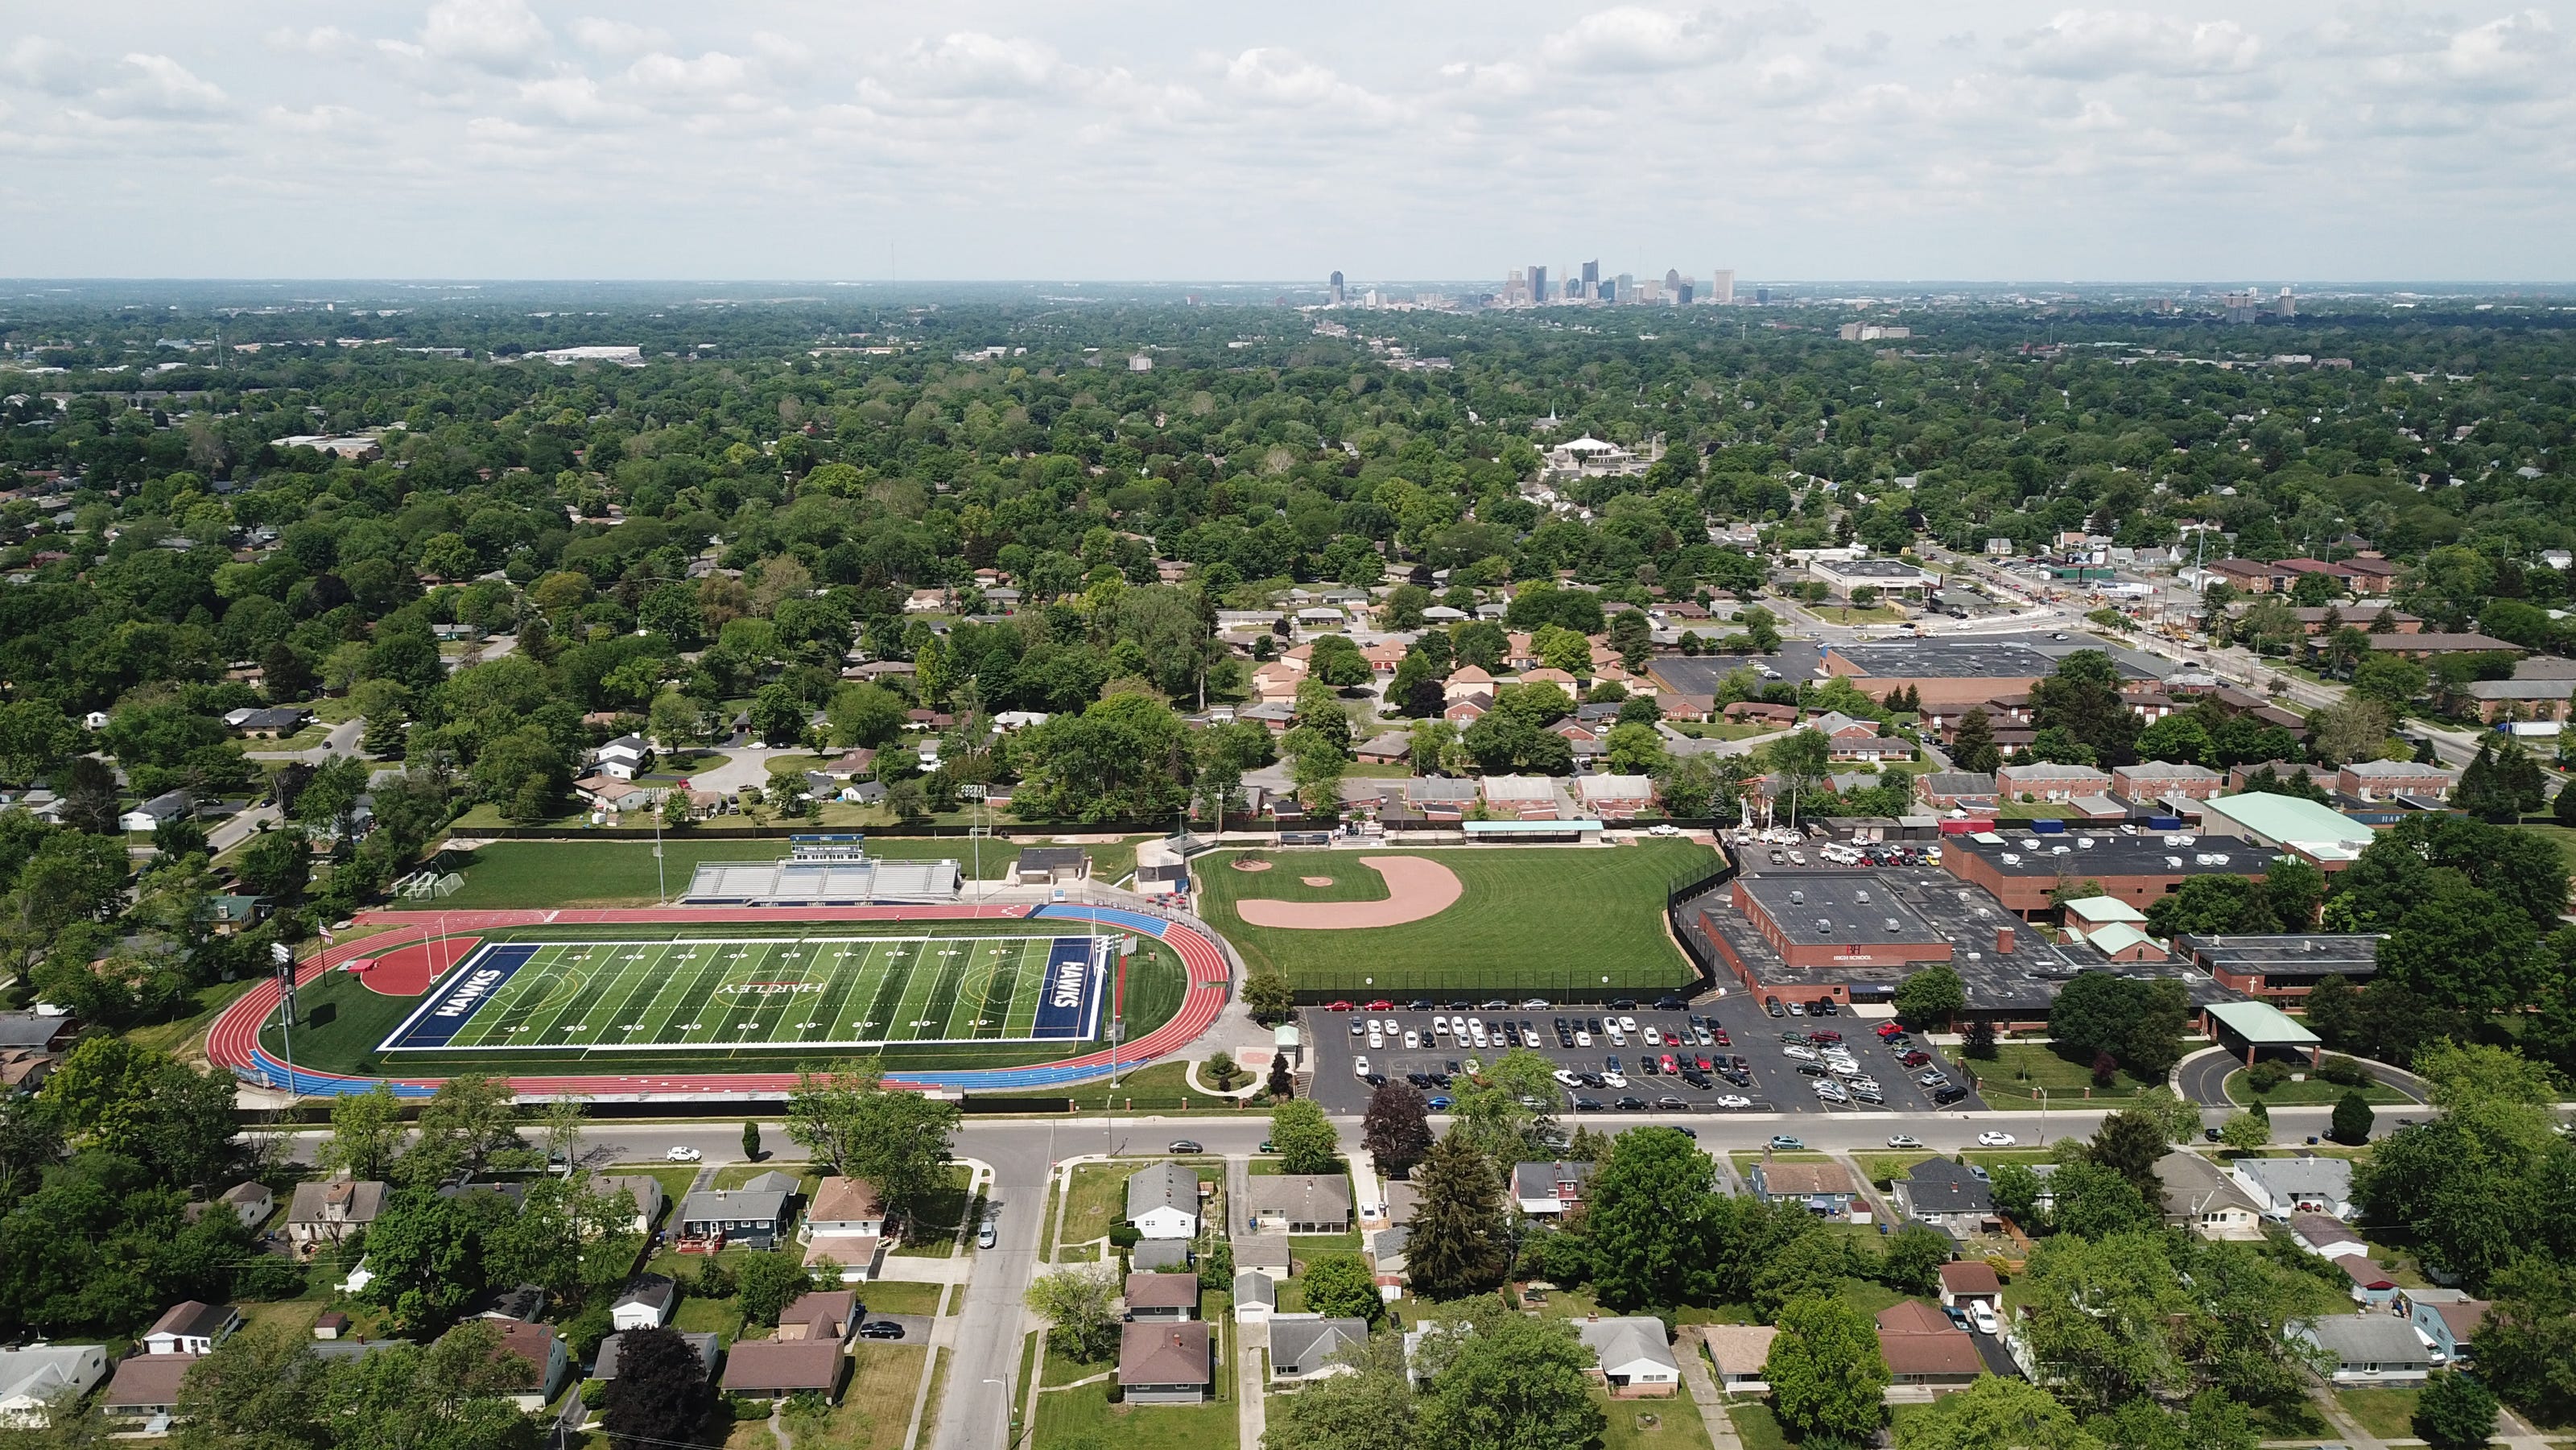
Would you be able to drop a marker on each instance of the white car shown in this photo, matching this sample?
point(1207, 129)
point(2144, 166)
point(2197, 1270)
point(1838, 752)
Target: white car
point(1663, 830)
point(1803, 1054)
point(1412, 1040)
point(1582, 1038)
point(1653, 1038)
point(1831, 1092)
point(684, 1155)
point(1359, 1067)
point(1614, 1079)
point(1903, 1140)
point(1393, 1027)
point(1627, 1024)
point(1566, 1079)
point(1476, 1031)
point(1992, 1139)
point(1982, 1315)
point(1616, 1036)
point(1734, 1100)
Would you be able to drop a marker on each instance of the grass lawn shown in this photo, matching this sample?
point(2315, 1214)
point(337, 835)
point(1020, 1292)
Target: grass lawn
point(2020, 1069)
point(874, 1411)
point(2316, 1091)
point(735, 1175)
point(893, 1296)
point(1756, 1427)
point(933, 1231)
point(1086, 1413)
point(1306, 1246)
point(1161, 1088)
point(1675, 1424)
point(675, 1179)
point(1724, 730)
point(1099, 1200)
point(719, 1317)
point(1511, 930)
point(205, 1003)
point(2387, 1413)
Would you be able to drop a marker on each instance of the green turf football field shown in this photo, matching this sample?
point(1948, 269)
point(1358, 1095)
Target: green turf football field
point(746, 992)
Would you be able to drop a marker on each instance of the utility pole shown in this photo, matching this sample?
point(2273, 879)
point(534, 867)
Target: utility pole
point(283, 956)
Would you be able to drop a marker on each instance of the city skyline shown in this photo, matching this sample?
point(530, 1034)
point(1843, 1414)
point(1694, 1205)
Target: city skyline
point(998, 139)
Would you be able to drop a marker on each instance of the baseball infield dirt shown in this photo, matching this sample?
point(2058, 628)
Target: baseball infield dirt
point(1415, 888)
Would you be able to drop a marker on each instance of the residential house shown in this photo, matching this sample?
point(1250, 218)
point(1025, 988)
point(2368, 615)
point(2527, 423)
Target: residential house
point(24, 1069)
point(1163, 1201)
point(191, 1328)
point(1311, 1347)
point(38, 1031)
point(846, 1223)
point(1464, 681)
point(755, 1214)
point(1635, 1360)
point(249, 1201)
point(1924, 1349)
point(1966, 1282)
point(1299, 1203)
point(2285, 1187)
point(624, 758)
point(2369, 1349)
point(1164, 1363)
point(1169, 1297)
point(329, 1212)
point(2199, 1197)
point(648, 1197)
point(1161, 1254)
point(612, 1349)
point(1741, 1356)
point(169, 805)
point(1267, 1252)
point(2447, 1320)
point(274, 723)
point(1389, 747)
point(1760, 712)
point(2372, 1288)
point(1945, 1195)
point(2325, 1237)
point(146, 1386)
point(543, 1356)
point(1466, 710)
point(1548, 1188)
point(1256, 1297)
point(1825, 1188)
point(2373, 780)
point(829, 1316)
point(1964, 790)
point(645, 1303)
point(35, 1378)
point(777, 1369)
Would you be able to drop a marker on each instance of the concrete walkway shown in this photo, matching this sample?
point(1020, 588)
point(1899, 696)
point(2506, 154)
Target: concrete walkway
point(1251, 1412)
point(1703, 1390)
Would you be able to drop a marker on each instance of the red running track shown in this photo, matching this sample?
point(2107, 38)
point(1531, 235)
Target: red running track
point(233, 1041)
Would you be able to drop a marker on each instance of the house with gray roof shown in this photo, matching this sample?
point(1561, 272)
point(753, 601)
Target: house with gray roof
point(2369, 1349)
point(1163, 1201)
point(1312, 1347)
point(1256, 1296)
point(1946, 1195)
point(755, 1214)
point(2281, 1187)
point(2199, 1197)
point(1635, 1360)
point(1300, 1203)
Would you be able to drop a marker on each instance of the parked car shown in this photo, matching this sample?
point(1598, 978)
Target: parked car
point(1734, 1100)
point(988, 1233)
point(1359, 1067)
point(1786, 1143)
point(1437, 1105)
point(883, 1328)
point(683, 1155)
point(1185, 1145)
point(1772, 1006)
point(1994, 1139)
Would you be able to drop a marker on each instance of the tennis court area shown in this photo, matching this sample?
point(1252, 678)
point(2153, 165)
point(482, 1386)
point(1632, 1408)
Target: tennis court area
point(729, 993)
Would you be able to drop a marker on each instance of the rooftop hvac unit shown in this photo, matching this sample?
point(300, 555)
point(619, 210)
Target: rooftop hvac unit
point(2085, 842)
point(2173, 863)
point(1862, 897)
point(2218, 857)
point(2057, 850)
point(2012, 858)
point(2310, 945)
point(1824, 926)
point(1893, 926)
point(1797, 898)
point(2202, 858)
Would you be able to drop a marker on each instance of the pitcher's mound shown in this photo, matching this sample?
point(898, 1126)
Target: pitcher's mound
point(1316, 880)
point(1415, 889)
point(1246, 863)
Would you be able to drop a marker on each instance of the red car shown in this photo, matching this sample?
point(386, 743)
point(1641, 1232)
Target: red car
point(1916, 1058)
point(1671, 1068)
point(1889, 1029)
point(1381, 1005)
point(1337, 1006)
point(1722, 1039)
point(1703, 1064)
point(1826, 1036)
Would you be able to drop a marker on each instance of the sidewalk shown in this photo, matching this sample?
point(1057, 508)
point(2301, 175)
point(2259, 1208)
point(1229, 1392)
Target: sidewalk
point(1703, 1391)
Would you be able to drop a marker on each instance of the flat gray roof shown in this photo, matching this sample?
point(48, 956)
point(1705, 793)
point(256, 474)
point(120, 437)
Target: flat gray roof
point(1998, 656)
point(1827, 908)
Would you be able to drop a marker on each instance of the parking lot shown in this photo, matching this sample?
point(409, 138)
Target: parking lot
point(1772, 1077)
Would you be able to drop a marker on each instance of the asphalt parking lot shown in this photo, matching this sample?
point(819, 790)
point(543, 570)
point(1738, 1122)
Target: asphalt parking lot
point(1773, 1082)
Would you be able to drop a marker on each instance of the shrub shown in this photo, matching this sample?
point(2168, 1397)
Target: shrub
point(2344, 1072)
point(2263, 1077)
point(1124, 1235)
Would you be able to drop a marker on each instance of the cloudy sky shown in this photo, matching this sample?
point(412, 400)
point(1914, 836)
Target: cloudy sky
point(1182, 139)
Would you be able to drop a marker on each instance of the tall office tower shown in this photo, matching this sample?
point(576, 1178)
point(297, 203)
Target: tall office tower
point(1721, 287)
point(1682, 294)
point(1538, 284)
point(1337, 289)
point(1592, 279)
point(1627, 286)
point(2288, 306)
point(1761, 295)
point(1516, 286)
point(1672, 281)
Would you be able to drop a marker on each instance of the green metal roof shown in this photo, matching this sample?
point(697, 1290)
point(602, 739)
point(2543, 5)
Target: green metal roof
point(2103, 908)
point(2116, 938)
point(2287, 820)
point(2261, 1024)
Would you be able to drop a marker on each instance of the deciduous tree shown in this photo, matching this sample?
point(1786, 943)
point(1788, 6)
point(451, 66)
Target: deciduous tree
point(1827, 1377)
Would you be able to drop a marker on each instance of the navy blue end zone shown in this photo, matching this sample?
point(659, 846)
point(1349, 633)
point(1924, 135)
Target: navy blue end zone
point(449, 1008)
point(1069, 997)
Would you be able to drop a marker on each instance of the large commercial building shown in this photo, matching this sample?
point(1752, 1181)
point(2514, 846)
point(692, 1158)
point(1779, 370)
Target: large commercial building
point(1853, 936)
point(2284, 966)
point(1887, 576)
point(2021, 870)
point(2287, 823)
point(1969, 669)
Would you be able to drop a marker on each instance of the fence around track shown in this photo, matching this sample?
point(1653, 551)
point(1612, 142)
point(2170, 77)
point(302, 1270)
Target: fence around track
point(234, 1040)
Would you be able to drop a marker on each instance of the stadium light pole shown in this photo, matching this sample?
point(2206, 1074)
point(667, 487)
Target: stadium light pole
point(975, 834)
point(284, 958)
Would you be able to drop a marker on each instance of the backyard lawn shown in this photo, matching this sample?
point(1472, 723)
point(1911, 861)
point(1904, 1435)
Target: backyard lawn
point(1515, 928)
point(2386, 1412)
point(1675, 1424)
point(1066, 1417)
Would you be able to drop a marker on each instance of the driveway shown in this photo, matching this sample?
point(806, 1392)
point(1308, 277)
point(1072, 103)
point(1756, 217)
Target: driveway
point(342, 740)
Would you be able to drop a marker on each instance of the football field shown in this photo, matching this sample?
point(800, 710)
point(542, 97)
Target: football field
point(723, 994)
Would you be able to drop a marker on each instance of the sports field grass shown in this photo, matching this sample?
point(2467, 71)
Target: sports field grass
point(1551, 921)
point(506, 874)
point(341, 1024)
point(826, 990)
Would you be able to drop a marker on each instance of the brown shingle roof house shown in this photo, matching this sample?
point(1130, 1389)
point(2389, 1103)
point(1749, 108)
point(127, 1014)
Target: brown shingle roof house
point(830, 1316)
point(1162, 1296)
point(1164, 1363)
point(146, 1385)
point(782, 1367)
point(1922, 1347)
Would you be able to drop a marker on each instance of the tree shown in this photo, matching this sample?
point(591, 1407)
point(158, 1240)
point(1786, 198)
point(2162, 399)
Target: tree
point(1974, 745)
point(1913, 1259)
point(89, 796)
point(277, 864)
point(2245, 1133)
point(1803, 757)
point(1928, 999)
point(1994, 1414)
point(1505, 1381)
point(1081, 1305)
point(2454, 1412)
point(899, 1141)
point(1827, 1377)
point(1978, 1041)
point(1340, 1286)
point(1268, 997)
point(2527, 1347)
point(2293, 889)
point(751, 1140)
point(1460, 1243)
point(660, 1395)
point(1282, 1083)
point(1371, 1408)
point(2352, 729)
point(770, 1281)
point(2352, 1119)
point(366, 1133)
point(1397, 1130)
point(2082, 697)
point(469, 1119)
point(1503, 1110)
point(1304, 1137)
point(2128, 1143)
point(2138, 1022)
point(1650, 1221)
